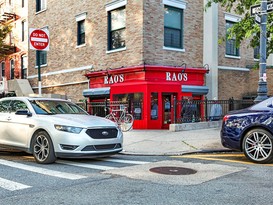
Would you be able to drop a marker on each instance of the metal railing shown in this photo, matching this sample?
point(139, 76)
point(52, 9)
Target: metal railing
point(101, 108)
point(184, 111)
point(206, 110)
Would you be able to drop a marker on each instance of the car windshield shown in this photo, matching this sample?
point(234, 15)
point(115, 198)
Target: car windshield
point(51, 107)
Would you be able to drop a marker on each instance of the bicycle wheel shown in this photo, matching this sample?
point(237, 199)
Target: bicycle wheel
point(127, 123)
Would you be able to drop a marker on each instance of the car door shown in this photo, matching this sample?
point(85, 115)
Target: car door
point(17, 130)
point(4, 114)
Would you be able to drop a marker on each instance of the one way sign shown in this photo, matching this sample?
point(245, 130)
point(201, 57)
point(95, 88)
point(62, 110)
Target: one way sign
point(256, 9)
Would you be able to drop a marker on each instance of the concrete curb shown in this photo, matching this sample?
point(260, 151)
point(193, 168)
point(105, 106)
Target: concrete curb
point(176, 154)
point(195, 126)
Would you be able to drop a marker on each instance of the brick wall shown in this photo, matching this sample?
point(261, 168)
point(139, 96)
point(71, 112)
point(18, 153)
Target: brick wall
point(144, 43)
point(234, 83)
point(246, 53)
point(238, 84)
point(154, 35)
point(60, 17)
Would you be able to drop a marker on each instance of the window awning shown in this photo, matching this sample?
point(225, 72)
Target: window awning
point(195, 90)
point(96, 92)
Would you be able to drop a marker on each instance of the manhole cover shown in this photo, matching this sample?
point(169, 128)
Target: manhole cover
point(173, 170)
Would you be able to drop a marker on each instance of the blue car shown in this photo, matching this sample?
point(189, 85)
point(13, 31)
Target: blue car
point(250, 130)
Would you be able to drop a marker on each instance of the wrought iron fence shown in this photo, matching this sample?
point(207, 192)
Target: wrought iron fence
point(206, 110)
point(103, 108)
point(184, 111)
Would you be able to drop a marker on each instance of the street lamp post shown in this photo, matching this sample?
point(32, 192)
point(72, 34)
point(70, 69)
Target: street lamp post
point(262, 84)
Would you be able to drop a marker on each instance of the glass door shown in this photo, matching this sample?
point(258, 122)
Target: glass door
point(166, 110)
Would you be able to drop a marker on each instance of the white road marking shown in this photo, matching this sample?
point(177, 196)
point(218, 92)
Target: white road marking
point(43, 171)
point(11, 185)
point(100, 167)
point(123, 161)
point(85, 165)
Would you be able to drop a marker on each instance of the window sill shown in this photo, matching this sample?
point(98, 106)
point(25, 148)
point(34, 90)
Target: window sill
point(116, 50)
point(256, 59)
point(234, 57)
point(41, 11)
point(174, 49)
point(82, 45)
point(44, 65)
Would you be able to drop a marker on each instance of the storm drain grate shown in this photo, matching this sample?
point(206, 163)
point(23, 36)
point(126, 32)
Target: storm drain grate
point(173, 170)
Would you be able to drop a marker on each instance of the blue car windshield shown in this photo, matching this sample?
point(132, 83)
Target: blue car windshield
point(51, 107)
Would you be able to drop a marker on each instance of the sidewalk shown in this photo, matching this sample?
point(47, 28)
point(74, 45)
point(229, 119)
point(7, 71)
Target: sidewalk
point(165, 142)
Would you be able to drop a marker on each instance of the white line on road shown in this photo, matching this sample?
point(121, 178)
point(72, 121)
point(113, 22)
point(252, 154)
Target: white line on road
point(85, 165)
point(11, 185)
point(123, 161)
point(43, 171)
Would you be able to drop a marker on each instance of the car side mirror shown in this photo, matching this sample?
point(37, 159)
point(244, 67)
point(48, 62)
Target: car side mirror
point(23, 112)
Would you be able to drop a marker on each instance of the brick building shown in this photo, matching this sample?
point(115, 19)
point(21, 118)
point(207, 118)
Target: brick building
point(141, 49)
point(69, 59)
point(15, 64)
point(80, 43)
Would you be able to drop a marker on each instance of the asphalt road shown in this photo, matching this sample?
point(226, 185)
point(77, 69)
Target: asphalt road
point(219, 178)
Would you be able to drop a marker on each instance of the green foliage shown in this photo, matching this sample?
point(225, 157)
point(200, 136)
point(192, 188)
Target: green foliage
point(5, 48)
point(246, 28)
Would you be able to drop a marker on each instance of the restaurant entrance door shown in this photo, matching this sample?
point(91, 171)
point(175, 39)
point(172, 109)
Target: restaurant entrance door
point(167, 109)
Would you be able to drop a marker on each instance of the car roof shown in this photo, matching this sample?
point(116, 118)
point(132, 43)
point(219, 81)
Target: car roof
point(33, 98)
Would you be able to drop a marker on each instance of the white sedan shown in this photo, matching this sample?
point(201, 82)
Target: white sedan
point(50, 128)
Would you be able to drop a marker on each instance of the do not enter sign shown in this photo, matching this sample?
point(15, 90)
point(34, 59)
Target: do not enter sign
point(39, 39)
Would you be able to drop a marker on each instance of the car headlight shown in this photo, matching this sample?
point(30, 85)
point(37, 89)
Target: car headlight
point(71, 129)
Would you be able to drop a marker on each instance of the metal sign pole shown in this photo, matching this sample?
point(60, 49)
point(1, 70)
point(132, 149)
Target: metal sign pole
point(39, 72)
point(39, 41)
point(262, 84)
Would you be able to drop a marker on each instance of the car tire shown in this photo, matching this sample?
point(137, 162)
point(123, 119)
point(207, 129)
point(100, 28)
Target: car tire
point(258, 146)
point(42, 147)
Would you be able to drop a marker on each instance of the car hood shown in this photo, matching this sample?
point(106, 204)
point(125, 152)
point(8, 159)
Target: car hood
point(83, 121)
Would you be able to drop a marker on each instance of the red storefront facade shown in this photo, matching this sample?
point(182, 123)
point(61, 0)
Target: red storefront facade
point(151, 89)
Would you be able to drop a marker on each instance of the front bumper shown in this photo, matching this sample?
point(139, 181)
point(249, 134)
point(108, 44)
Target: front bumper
point(85, 155)
point(70, 145)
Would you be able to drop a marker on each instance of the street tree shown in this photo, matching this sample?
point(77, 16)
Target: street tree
point(246, 28)
point(5, 46)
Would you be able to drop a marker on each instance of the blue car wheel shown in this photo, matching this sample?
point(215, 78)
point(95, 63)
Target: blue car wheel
point(257, 146)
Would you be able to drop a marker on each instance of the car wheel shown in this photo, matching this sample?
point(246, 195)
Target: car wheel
point(42, 147)
point(257, 146)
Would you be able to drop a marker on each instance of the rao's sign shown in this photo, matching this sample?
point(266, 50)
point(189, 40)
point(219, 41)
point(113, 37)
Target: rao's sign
point(170, 76)
point(176, 76)
point(114, 79)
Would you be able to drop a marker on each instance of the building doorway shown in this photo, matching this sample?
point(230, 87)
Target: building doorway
point(167, 100)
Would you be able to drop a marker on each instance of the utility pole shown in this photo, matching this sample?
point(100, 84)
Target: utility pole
point(262, 84)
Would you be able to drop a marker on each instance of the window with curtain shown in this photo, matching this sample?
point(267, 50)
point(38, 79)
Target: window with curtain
point(231, 48)
point(117, 23)
point(81, 33)
point(173, 27)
